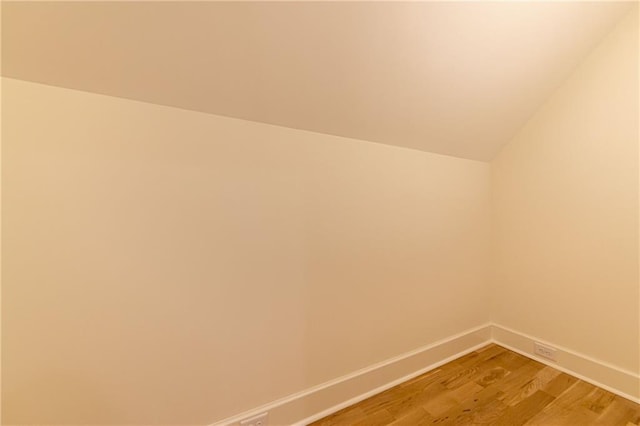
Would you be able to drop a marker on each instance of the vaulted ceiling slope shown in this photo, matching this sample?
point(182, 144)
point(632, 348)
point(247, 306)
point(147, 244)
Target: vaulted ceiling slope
point(456, 78)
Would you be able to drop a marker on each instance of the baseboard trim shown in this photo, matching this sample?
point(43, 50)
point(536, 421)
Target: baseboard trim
point(599, 373)
point(307, 406)
point(322, 400)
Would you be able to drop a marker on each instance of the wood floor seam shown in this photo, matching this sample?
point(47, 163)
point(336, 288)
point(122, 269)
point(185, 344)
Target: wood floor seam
point(491, 386)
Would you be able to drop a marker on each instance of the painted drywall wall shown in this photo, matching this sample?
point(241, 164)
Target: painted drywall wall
point(565, 211)
point(453, 77)
point(163, 266)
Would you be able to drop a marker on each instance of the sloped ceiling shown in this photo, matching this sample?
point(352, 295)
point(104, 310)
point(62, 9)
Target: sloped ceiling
point(456, 78)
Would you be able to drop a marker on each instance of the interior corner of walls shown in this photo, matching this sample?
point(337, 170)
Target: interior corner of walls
point(322, 400)
point(600, 373)
point(537, 182)
point(101, 150)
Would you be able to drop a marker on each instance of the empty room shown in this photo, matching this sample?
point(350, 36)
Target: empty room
point(329, 213)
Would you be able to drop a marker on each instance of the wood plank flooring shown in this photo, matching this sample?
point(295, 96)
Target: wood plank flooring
point(491, 386)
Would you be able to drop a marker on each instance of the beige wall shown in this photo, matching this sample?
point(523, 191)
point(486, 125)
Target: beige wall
point(565, 202)
point(167, 266)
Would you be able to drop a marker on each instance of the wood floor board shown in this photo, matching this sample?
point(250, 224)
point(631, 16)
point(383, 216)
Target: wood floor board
point(538, 382)
point(422, 380)
point(559, 384)
point(567, 408)
point(471, 409)
point(451, 398)
point(491, 386)
point(598, 400)
point(415, 417)
point(524, 410)
point(377, 418)
point(619, 412)
point(510, 360)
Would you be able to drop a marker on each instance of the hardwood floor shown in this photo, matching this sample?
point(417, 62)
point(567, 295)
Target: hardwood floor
point(491, 386)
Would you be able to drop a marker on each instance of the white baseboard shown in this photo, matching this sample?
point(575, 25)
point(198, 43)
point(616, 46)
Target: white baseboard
point(322, 400)
point(607, 376)
point(312, 404)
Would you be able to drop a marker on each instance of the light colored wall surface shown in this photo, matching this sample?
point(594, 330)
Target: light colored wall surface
point(452, 77)
point(565, 201)
point(167, 266)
